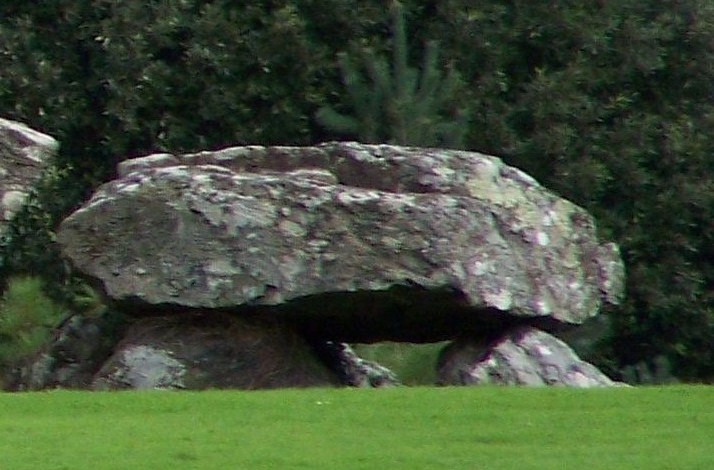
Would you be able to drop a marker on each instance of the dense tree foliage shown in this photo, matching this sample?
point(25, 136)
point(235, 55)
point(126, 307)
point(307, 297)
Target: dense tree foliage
point(396, 103)
point(608, 103)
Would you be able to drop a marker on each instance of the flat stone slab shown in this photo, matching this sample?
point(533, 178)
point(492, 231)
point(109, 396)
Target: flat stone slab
point(266, 226)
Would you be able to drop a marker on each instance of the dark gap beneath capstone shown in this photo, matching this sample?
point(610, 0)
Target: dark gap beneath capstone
point(399, 314)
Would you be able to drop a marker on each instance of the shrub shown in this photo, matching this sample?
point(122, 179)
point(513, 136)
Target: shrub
point(27, 318)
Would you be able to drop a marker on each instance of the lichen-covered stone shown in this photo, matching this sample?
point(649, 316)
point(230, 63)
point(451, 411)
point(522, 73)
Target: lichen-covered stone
point(143, 367)
point(355, 371)
point(201, 351)
point(75, 352)
point(24, 153)
point(264, 226)
point(524, 356)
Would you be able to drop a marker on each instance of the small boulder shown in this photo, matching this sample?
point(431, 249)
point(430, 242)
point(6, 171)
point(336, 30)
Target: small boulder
point(355, 371)
point(524, 356)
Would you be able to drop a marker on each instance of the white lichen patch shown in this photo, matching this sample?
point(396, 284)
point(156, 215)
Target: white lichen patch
point(131, 184)
point(542, 238)
point(252, 291)
point(542, 350)
point(318, 244)
point(484, 183)
point(368, 154)
point(479, 265)
point(221, 267)
point(218, 285)
point(440, 177)
point(232, 153)
point(377, 284)
point(180, 172)
point(457, 270)
point(562, 212)
point(357, 196)
point(550, 218)
point(523, 214)
point(291, 229)
point(314, 175)
point(501, 299)
point(541, 306)
point(392, 243)
point(156, 160)
point(291, 267)
point(236, 213)
point(313, 200)
point(12, 201)
point(397, 202)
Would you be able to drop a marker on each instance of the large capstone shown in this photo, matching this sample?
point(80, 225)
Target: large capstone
point(352, 242)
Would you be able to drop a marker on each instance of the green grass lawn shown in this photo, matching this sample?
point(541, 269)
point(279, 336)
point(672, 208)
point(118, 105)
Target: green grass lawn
point(405, 428)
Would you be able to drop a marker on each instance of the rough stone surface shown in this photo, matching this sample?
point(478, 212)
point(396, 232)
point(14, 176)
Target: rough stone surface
point(355, 371)
point(76, 351)
point(525, 356)
point(201, 351)
point(143, 367)
point(261, 226)
point(24, 153)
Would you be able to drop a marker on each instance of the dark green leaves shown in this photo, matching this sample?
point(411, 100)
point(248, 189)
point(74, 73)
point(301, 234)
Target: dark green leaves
point(396, 103)
point(608, 103)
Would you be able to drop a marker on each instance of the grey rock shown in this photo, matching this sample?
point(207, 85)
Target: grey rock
point(267, 226)
point(156, 160)
point(201, 351)
point(77, 349)
point(525, 356)
point(355, 371)
point(24, 153)
point(143, 367)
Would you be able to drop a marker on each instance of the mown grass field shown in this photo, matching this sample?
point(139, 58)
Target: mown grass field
point(406, 428)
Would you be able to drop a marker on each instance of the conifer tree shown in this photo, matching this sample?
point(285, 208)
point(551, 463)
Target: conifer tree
point(398, 103)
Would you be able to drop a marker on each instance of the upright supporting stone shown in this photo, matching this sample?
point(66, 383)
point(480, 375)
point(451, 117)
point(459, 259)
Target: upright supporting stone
point(524, 356)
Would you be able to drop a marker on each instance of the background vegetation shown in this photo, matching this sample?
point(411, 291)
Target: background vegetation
point(414, 364)
point(414, 428)
point(27, 320)
point(607, 103)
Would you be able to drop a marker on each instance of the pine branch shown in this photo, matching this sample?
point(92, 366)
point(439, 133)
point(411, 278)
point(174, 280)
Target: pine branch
point(338, 122)
point(398, 103)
